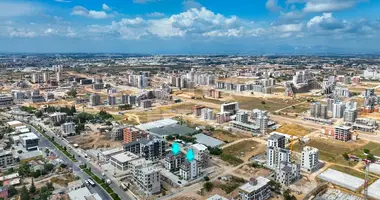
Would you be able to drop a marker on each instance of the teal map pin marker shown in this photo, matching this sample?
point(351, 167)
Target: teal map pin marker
point(190, 155)
point(176, 148)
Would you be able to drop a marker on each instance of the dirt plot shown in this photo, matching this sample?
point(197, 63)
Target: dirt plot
point(227, 187)
point(270, 104)
point(227, 136)
point(297, 109)
point(249, 171)
point(64, 179)
point(294, 129)
point(245, 149)
point(332, 150)
point(93, 141)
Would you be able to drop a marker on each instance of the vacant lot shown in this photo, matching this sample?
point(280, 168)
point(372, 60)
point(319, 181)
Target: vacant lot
point(294, 129)
point(331, 150)
point(249, 171)
point(227, 136)
point(297, 109)
point(373, 147)
point(245, 149)
point(270, 104)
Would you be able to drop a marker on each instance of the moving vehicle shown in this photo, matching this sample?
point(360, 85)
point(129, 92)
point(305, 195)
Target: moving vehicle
point(91, 182)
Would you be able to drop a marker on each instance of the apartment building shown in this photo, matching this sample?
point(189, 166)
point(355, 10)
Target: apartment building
point(7, 158)
point(94, 99)
point(153, 149)
point(173, 162)
point(68, 128)
point(256, 189)
point(310, 159)
point(189, 170)
point(122, 160)
point(342, 133)
point(287, 173)
point(131, 134)
point(58, 117)
point(6, 100)
point(201, 154)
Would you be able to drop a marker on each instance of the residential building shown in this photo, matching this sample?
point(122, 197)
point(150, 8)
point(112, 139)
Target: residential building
point(232, 107)
point(207, 114)
point(58, 117)
point(287, 173)
point(262, 121)
point(242, 116)
point(122, 160)
point(153, 149)
point(83, 194)
point(217, 197)
point(111, 100)
point(45, 77)
point(7, 158)
point(124, 98)
point(201, 154)
point(131, 134)
point(315, 110)
point(173, 162)
point(254, 129)
point(310, 159)
point(365, 125)
point(68, 128)
point(94, 99)
point(276, 140)
point(189, 170)
point(222, 117)
point(350, 115)
point(256, 189)
point(35, 78)
point(342, 133)
point(58, 77)
point(197, 110)
point(277, 155)
point(132, 100)
point(147, 103)
point(98, 86)
point(338, 110)
point(49, 96)
point(6, 100)
point(147, 178)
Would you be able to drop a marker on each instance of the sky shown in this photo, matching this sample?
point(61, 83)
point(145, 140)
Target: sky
point(190, 26)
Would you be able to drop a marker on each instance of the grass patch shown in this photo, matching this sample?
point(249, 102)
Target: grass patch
point(330, 151)
point(225, 136)
point(271, 104)
point(100, 182)
point(373, 147)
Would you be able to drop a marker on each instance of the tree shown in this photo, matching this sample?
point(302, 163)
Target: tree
point(288, 196)
point(24, 194)
point(12, 191)
point(38, 114)
point(170, 138)
point(345, 156)
point(215, 151)
point(50, 186)
point(263, 102)
point(208, 186)
point(36, 173)
point(206, 178)
point(108, 123)
point(48, 167)
point(32, 188)
point(44, 193)
point(366, 151)
point(371, 157)
point(24, 169)
point(73, 109)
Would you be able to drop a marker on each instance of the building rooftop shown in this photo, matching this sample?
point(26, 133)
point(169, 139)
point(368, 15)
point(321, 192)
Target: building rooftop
point(151, 169)
point(275, 136)
point(125, 157)
point(112, 151)
point(83, 194)
point(343, 127)
point(15, 123)
point(171, 130)
point(217, 197)
point(342, 179)
point(199, 147)
point(158, 123)
point(207, 140)
point(28, 136)
point(250, 187)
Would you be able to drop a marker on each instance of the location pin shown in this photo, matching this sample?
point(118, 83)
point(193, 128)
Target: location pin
point(176, 148)
point(190, 155)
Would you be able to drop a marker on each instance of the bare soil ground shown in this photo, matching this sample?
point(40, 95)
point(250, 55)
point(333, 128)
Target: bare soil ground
point(294, 129)
point(245, 149)
point(249, 171)
point(227, 136)
point(94, 141)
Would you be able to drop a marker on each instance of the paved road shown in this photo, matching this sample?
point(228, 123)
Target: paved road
point(122, 194)
point(76, 170)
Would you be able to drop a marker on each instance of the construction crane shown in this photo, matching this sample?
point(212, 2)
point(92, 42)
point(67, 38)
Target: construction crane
point(366, 181)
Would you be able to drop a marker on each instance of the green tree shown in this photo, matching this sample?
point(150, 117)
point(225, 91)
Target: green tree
point(44, 193)
point(345, 156)
point(38, 114)
point(12, 191)
point(366, 151)
point(48, 167)
point(24, 194)
point(263, 102)
point(50, 186)
point(73, 109)
point(24, 169)
point(36, 173)
point(215, 151)
point(371, 157)
point(170, 138)
point(288, 196)
point(32, 188)
point(208, 186)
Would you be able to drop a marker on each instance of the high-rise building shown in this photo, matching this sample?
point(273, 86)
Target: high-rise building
point(35, 78)
point(338, 110)
point(68, 128)
point(330, 103)
point(277, 155)
point(350, 115)
point(287, 173)
point(94, 99)
point(229, 107)
point(173, 162)
point(111, 100)
point(207, 114)
point(59, 77)
point(310, 159)
point(323, 111)
point(262, 121)
point(276, 140)
point(242, 116)
point(315, 110)
point(189, 170)
point(45, 77)
point(201, 154)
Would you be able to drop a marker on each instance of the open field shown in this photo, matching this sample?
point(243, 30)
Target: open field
point(93, 141)
point(227, 187)
point(270, 104)
point(249, 171)
point(294, 129)
point(226, 136)
point(297, 109)
point(373, 147)
point(332, 150)
point(245, 149)
point(196, 93)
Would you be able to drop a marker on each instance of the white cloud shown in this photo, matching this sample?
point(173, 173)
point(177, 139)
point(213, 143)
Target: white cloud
point(143, 1)
point(16, 9)
point(82, 11)
point(15, 32)
point(289, 27)
point(106, 7)
point(328, 5)
point(272, 5)
point(50, 31)
point(155, 14)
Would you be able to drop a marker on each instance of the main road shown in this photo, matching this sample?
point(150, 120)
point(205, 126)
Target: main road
point(121, 193)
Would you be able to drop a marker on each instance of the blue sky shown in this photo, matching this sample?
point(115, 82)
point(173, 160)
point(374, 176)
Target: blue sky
point(190, 26)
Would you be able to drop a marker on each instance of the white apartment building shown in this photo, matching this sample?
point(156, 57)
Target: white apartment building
point(277, 155)
point(287, 173)
point(58, 117)
point(189, 170)
point(242, 116)
point(310, 159)
point(122, 160)
point(201, 154)
point(207, 114)
point(148, 179)
point(276, 140)
point(256, 189)
point(68, 128)
point(338, 109)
